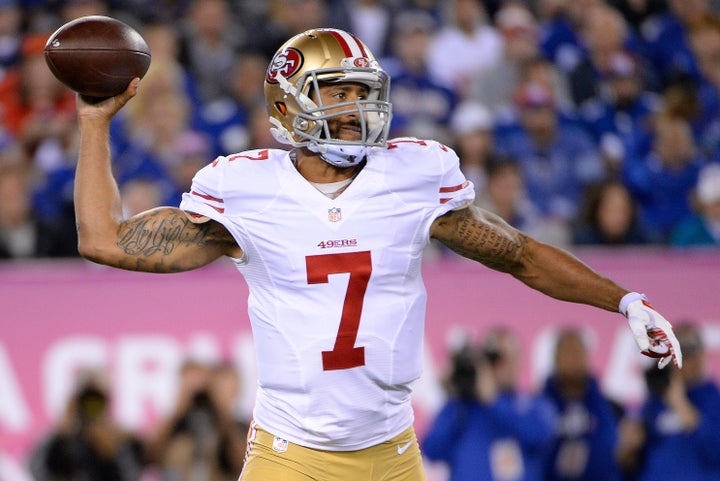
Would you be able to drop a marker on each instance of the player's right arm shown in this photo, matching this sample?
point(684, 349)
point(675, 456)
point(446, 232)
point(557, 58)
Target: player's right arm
point(159, 240)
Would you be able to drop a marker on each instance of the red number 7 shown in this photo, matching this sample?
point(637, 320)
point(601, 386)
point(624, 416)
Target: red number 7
point(359, 264)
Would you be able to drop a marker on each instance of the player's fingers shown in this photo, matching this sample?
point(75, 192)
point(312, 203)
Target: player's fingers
point(664, 335)
point(675, 350)
point(130, 91)
point(662, 363)
point(133, 86)
point(637, 326)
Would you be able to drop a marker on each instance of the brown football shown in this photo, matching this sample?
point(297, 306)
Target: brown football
point(97, 56)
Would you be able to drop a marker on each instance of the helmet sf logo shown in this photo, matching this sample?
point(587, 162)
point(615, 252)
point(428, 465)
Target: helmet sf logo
point(361, 62)
point(285, 63)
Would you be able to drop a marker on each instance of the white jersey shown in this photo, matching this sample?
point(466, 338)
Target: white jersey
point(336, 301)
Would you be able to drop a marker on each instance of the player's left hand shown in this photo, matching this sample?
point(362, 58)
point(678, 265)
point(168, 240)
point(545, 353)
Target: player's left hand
point(653, 333)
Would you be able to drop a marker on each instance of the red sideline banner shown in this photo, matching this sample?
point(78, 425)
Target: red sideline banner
point(59, 318)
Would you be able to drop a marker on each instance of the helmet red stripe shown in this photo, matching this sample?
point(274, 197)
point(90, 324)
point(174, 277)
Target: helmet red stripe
point(343, 43)
point(360, 45)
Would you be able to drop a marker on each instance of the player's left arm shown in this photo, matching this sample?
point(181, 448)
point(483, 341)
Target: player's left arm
point(484, 237)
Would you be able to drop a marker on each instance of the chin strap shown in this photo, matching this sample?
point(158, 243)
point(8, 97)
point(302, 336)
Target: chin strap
point(340, 155)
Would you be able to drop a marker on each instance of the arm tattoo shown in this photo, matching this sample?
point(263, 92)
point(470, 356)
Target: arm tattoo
point(165, 240)
point(156, 233)
point(484, 238)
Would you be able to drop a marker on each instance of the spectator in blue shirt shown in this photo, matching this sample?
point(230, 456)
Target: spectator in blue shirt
point(666, 36)
point(620, 116)
point(587, 425)
point(558, 157)
point(559, 39)
point(680, 421)
point(488, 431)
point(663, 180)
point(705, 42)
point(411, 80)
point(604, 32)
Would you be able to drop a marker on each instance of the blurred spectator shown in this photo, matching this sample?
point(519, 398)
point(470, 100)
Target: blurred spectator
point(681, 98)
point(666, 35)
point(225, 120)
point(472, 128)
point(620, 116)
point(608, 216)
point(637, 11)
point(505, 195)
point(203, 438)
point(190, 152)
point(139, 195)
point(37, 110)
point(156, 140)
point(284, 19)
point(209, 41)
point(22, 234)
point(587, 424)
point(224, 390)
point(663, 180)
point(560, 22)
point(411, 80)
point(87, 444)
point(557, 157)
point(487, 430)
point(705, 44)
point(10, 35)
point(679, 422)
point(433, 7)
point(604, 33)
point(495, 87)
point(548, 75)
point(465, 46)
point(163, 39)
point(247, 80)
point(370, 20)
point(702, 228)
point(34, 106)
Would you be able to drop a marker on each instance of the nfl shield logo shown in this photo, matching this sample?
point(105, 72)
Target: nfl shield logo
point(334, 214)
point(279, 445)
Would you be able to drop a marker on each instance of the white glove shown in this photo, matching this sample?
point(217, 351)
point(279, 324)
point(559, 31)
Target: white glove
point(653, 333)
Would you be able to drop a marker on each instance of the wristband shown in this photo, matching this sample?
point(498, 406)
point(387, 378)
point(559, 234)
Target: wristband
point(629, 298)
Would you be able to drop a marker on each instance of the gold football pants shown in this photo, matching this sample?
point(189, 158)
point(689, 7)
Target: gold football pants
point(270, 458)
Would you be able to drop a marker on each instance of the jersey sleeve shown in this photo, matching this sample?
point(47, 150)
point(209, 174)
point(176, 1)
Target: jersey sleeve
point(455, 191)
point(205, 199)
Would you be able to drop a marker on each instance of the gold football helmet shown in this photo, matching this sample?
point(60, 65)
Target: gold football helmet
point(299, 67)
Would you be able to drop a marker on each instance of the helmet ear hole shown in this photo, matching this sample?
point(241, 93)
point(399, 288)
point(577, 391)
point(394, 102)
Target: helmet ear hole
point(281, 107)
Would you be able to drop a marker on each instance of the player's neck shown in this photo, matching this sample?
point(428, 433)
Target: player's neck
point(316, 170)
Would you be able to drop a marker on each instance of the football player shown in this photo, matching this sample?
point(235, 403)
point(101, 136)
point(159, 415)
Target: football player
point(329, 236)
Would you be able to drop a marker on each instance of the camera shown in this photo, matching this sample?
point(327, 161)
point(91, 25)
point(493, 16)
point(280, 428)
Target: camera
point(464, 372)
point(657, 380)
point(492, 354)
point(91, 403)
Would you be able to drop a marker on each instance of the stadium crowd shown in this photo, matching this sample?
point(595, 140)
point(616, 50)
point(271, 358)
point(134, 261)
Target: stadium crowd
point(489, 428)
point(579, 121)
